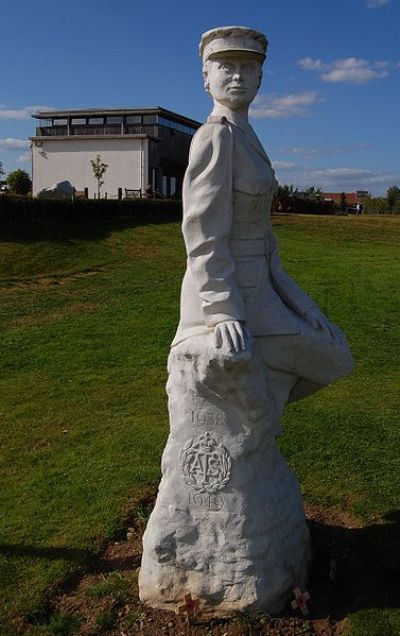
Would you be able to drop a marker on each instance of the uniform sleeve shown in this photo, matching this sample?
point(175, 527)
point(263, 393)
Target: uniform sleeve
point(207, 220)
point(293, 296)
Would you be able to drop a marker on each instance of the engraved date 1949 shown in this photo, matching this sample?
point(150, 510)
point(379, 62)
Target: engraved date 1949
point(211, 502)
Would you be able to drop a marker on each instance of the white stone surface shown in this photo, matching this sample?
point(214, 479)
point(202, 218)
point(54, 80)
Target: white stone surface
point(61, 190)
point(69, 159)
point(228, 525)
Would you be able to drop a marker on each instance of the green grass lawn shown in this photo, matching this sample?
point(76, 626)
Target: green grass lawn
point(86, 321)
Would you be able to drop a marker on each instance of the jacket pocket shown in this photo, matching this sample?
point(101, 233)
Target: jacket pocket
point(246, 273)
point(253, 186)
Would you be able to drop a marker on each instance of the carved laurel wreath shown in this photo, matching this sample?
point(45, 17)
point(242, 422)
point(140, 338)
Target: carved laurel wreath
point(203, 444)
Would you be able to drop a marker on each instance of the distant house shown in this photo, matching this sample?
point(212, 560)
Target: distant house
point(143, 147)
point(352, 198)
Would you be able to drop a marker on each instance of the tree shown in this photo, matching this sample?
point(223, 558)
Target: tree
point(99, 170)
point(19, 182)
point(283, 198)
point(315, 193)
point(393, 196)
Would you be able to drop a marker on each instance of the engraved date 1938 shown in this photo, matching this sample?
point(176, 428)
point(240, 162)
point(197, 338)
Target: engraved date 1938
point(207, 418)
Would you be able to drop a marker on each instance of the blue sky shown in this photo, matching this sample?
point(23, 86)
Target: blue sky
point(328, 107)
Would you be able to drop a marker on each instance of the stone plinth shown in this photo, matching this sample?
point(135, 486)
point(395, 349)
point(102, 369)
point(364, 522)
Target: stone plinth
point(228, 525)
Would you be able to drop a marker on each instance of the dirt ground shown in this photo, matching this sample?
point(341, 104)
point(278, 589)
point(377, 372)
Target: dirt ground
point(105, 600)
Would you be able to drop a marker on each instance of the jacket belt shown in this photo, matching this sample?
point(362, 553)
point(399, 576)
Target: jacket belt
point(249, 247)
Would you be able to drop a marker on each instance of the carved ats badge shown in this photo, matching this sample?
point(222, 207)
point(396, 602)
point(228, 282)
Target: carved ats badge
point(206, 465)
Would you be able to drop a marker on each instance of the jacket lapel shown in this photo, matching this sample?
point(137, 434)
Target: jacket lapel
point(255, 142)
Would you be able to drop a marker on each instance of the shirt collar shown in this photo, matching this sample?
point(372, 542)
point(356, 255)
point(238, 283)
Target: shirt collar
point(235, 118)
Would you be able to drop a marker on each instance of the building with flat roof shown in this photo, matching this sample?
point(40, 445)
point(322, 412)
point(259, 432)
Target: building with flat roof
point(142, 147)
point(352, 198)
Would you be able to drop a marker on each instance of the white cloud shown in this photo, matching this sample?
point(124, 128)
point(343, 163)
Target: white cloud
point(272, 106)
point(284, 165)
point(13, 144)
point(349, 69)
point(20, 113)
point(353, 70)
point(376, 4)
point(25, 157)
point(310, 151)
point(342, 173)
point(308, 64)
point(339, 179)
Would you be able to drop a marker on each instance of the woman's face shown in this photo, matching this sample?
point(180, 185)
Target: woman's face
point(233, 79)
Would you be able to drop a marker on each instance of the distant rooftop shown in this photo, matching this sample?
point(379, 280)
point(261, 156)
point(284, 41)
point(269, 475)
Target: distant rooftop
point(88, 112)
point(151, 121)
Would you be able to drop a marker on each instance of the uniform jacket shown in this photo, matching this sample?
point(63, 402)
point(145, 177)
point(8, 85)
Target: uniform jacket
point(233, 266)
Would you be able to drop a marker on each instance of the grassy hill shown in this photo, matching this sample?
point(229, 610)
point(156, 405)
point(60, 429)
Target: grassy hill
point(86, 320)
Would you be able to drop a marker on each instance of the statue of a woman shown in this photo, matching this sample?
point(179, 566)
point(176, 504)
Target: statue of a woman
point(228, 526)
point(235, 285)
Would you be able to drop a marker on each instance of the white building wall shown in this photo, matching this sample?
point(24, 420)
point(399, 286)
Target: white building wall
point(68, 159)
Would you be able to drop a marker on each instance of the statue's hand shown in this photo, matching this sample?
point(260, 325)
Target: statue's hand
point(231, 335)
point(319, 322)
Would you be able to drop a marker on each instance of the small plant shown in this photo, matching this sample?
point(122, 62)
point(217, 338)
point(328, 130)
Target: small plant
point(133, 618)
point(99, 169)
point(142, 512)
point(304, 629)
point(63, 624)
point(106, 619)
point(114, 585)
point(248, 623)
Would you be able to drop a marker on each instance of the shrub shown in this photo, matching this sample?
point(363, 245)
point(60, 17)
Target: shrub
point(377, 205)
point(19, 182)
point(20, 211)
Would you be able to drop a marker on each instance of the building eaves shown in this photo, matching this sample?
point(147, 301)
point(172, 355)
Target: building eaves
point(86, 137)
point(143, 110)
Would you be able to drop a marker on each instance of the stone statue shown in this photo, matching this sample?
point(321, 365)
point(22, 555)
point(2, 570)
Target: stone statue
point(228, 526)
point(61, 190)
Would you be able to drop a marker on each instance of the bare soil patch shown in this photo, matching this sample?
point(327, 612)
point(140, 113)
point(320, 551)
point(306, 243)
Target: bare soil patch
point(44, 282)
point(105, 599)
point(50, 317)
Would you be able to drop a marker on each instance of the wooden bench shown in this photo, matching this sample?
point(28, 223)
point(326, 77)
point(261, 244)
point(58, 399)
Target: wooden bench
point(80, 194)
point(133, 194)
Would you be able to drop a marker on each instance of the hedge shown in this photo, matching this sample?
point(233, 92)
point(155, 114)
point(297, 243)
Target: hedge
point(300, 206)
point(19, 211)
point(379, 205)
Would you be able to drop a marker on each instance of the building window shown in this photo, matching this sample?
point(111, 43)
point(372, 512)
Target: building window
point(153, 179)
point(44, 123)
point(165, 122)
point(96, 121)
point(172, 186)
point(114, 120)
point(60, 122)
point(78, 121)
point(176, 126)
point(149, 119)
point(133, 119)
point(164, 189)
